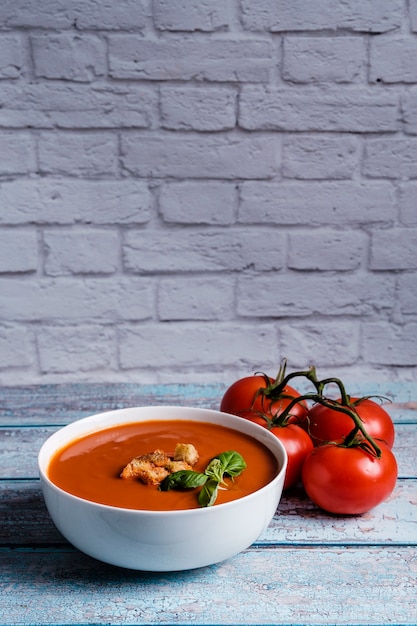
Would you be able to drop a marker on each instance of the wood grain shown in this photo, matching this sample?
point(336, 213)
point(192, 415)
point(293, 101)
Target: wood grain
point(62, 403)
point(284, 585)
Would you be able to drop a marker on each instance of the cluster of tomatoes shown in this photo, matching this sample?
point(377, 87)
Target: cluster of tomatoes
point(340, 449)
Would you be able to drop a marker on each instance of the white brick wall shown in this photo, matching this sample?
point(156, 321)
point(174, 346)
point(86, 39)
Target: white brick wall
point(191, 190)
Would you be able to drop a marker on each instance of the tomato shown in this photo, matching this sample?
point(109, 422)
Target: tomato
point(298, 445)
point(257, 419)
point(325, 424)
point(245, 397)
point(348, 480)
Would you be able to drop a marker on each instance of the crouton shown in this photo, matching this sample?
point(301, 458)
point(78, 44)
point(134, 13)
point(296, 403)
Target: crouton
point(177, 466)
point(186, 452)
point(145, 469)
point(153, 467)
point(158, 458)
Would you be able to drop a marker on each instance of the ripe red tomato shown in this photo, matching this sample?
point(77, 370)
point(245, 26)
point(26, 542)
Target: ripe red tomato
point(325, 424)
point(244, 398)
point(348, 481)
point(298, 445)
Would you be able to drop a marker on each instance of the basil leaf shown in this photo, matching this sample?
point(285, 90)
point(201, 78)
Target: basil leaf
point(184, 479)
point(229, 463)
point(215, 469)
point(232, 463)
point(208, 493)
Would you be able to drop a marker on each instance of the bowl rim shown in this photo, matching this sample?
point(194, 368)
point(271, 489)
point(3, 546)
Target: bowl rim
point(255, 428)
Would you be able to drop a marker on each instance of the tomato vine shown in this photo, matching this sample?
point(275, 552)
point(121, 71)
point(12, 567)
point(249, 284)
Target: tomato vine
point(358, 437)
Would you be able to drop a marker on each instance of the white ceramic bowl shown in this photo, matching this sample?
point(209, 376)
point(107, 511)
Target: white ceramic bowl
point(161, 540)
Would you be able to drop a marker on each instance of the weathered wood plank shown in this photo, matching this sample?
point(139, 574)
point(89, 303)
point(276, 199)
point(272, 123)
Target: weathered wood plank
point(19, 448)
point(25, 520)
point(63, 403)
point(24, 517)
point(270, 586)
point(300, 522)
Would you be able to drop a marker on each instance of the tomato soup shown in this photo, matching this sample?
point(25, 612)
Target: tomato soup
point(90, 467)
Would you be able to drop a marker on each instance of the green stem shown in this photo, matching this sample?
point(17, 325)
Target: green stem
point(282, 418)
point(343, 395)
point(343, 406)
point(275, 391)
point(359, 427)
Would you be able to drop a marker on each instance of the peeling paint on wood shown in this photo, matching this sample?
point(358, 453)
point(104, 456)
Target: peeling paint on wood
point(283, 585)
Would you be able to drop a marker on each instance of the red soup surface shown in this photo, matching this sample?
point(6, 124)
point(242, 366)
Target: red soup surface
point(90, 467)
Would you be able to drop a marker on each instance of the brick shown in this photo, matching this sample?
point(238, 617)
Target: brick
point(69, 56)
point(186, 59)
point(392, 59)
point(74, 299)
point(190, 298)
point(66, 201)
point(70, 349)
point(407, 294)
point(198, 202)
point(191, 15)
point(324, 59)
point(79, 14)
point(89, 251)
point(78, 154)
point(409, 111)
point(356, 15)
point(390, 158)
point(11, 56)
point(316, 109)
point(295, 295)
point(412, 9)
point(320, 157)
point(35, 14)
point(329, 344)
point(185, 344)
point(317, 203)
point(109, 15)
point(206, 250)
point(17, 154)
point(225, 156)
point(322, 249)
point(202, 109)
point(17, 347)
point(389, 344)
point(394, 249)
point(18, 251)
point(408, 210)
point(77, 105)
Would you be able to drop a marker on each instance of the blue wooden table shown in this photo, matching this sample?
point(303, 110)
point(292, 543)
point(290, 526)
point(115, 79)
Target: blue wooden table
point(307, 568)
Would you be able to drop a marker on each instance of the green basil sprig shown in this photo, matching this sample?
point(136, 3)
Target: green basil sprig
point(184, 479)
point(227, 464)
point(208, 494)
